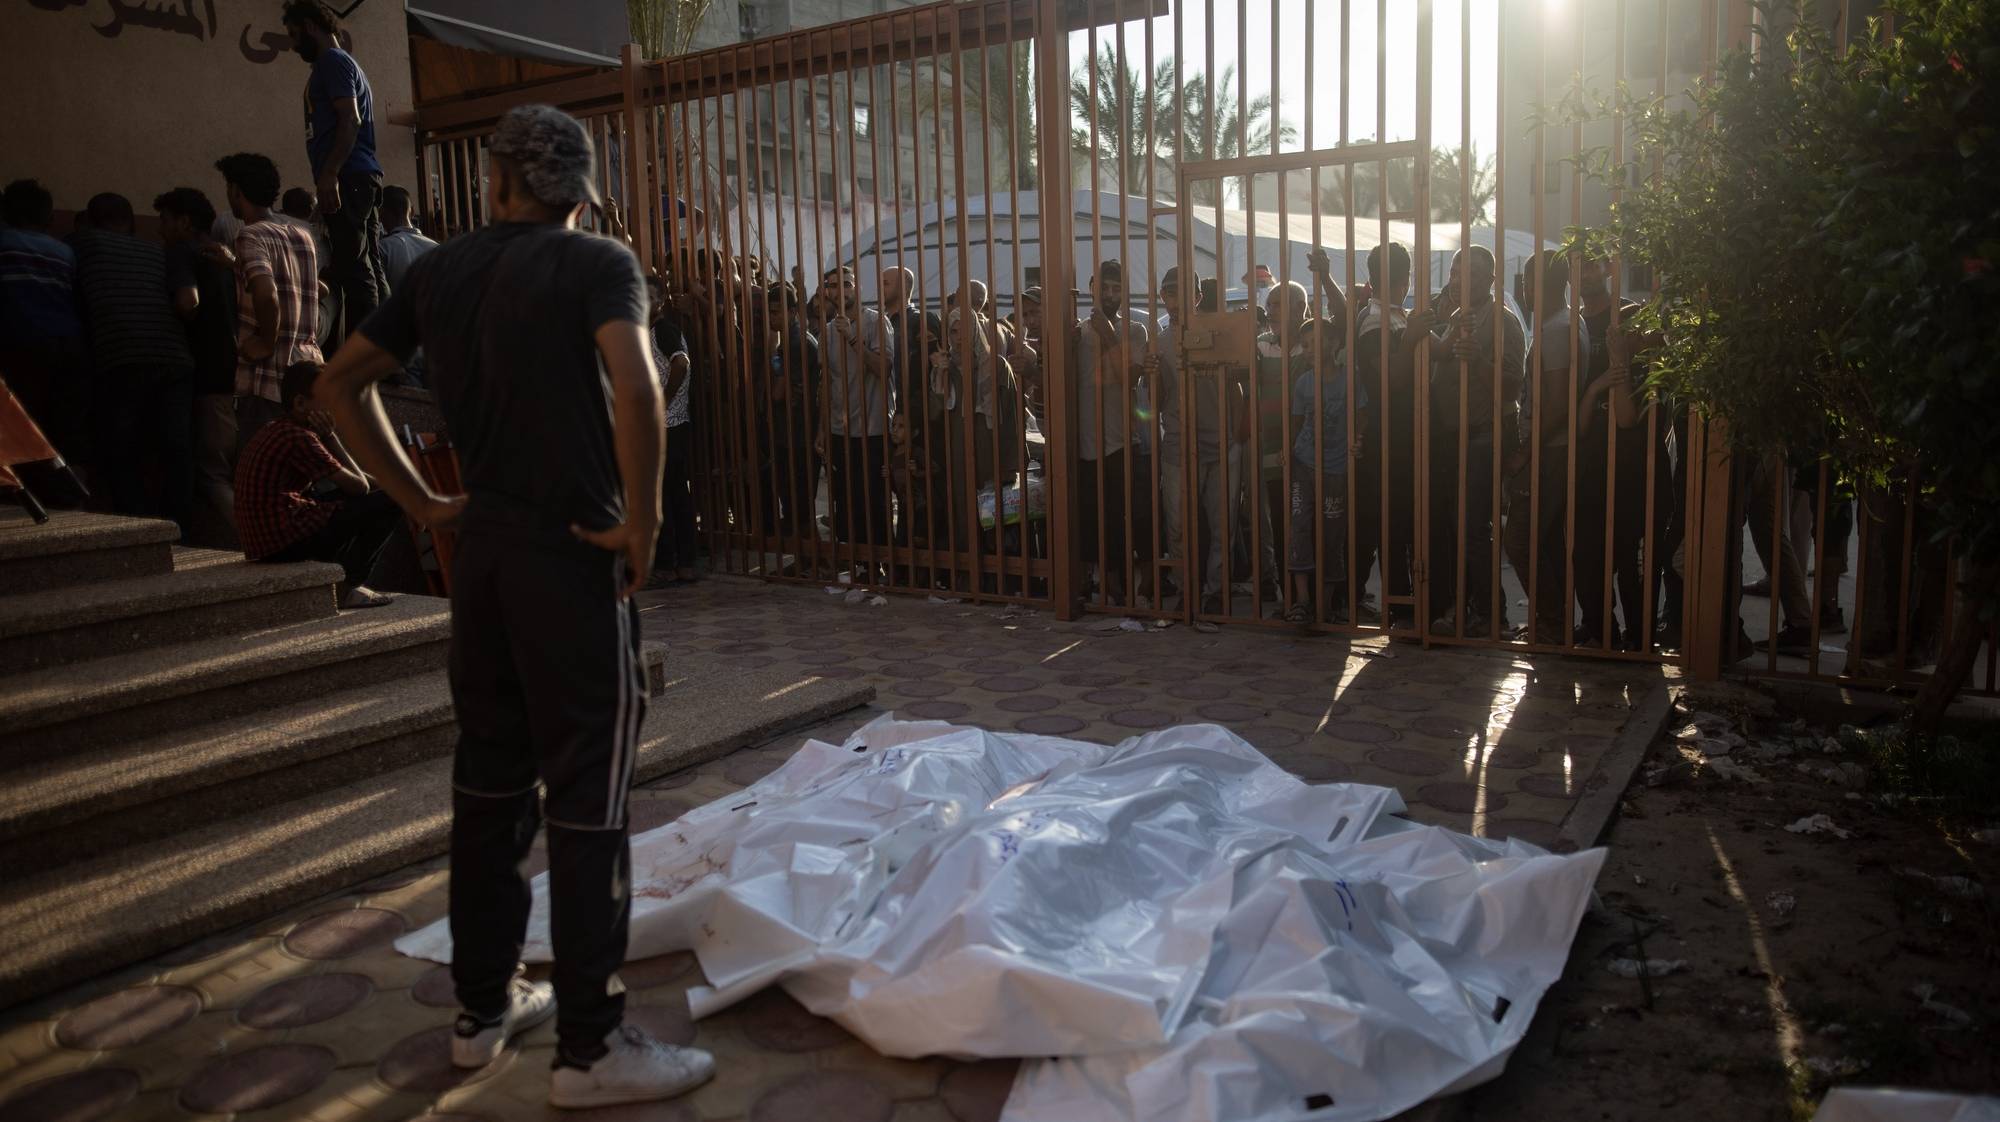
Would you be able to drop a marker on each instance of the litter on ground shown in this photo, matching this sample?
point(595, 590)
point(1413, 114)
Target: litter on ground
point(1818, 824)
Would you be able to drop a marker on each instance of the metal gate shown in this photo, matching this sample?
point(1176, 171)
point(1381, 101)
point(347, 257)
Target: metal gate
point(1443, 455)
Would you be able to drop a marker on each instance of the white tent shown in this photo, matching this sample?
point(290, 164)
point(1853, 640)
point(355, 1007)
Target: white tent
point(999, 242)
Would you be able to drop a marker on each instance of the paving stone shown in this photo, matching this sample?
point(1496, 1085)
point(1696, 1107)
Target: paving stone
point(1027, 703)
point(987, 667)
point(1440, 727)
point(978, 1092)
point(307, 1000)
point(1359, 732)
point(746, 768)
point(1115, 696)
point(1141, 719)
point(1230, 712)
point(421, 1063)
point(201, 950)
point(436, 989)
point(339, 934)
point(1314, 767)
point(671, 781)
point(257, 1079)
point(127, 1017)
point(1091, 679)
point(1309, 705)
point(1049, 724)
point(1197, 691)
point(667, 1022)
point(773, 1019)
point(1511, 757)
point(1548, 835)
point(1399, 702)
point(936, 710)
point(77, 1096)
point(1462, 798)
point(1409, 761)
point(1007, 684)
point(645, 973)
point(646, 813)
point(1548, 786)
point(1269, 738)
point(824, 1096)
point(920, 689)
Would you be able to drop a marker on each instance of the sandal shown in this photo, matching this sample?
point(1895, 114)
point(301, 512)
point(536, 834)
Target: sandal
point(362, 596)
point(1298, 613)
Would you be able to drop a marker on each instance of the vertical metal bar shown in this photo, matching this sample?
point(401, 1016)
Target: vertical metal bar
point(889, 388)
point(838, 490)
point(1058, 303)
point(1318, 586)
point(911, 411)
point(869, 468)
point(747, 376)
point(1096, 386)
point(1026, 532)
point(807, 418)
point(1776, 569)
point(1576, 367)
point(1497, 591)
point(1154, 392)
point(1126, 389)
point(1253, 471)
point(1385, 548)
point(1650, 566)
point(1819, 563)
point(1355, 578)
point(1211, 141)
point(968, 474)
point(1460, 610)
point(1539, 273)
point(1909, 550)
point(1611, 431)
point(951, 453)
point(1857, 631)
point(923, 321)
point(1420, 278)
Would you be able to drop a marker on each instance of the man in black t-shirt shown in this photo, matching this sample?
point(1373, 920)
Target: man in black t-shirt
point(202, 286)
point(536, 337)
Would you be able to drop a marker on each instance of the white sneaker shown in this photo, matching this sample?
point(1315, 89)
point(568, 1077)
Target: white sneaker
point(637, 1069)
point(528, 1004)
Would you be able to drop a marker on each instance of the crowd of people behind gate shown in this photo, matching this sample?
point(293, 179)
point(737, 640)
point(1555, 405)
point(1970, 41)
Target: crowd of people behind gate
point(891, 442)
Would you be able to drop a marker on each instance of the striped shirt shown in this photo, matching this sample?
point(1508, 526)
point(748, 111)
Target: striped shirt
point(284, 253)
point(121, 281)
point(37, 287)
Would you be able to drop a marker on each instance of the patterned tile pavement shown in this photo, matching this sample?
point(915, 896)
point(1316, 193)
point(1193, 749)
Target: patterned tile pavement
point(312, 1014)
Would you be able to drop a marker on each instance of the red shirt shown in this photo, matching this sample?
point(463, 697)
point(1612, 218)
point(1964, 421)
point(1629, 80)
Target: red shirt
point(274, 506)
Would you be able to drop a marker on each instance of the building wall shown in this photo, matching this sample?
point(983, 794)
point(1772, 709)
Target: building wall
point(138, 98)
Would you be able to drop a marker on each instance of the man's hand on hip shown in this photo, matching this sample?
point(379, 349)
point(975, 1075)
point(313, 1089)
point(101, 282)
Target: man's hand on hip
point(633, 539)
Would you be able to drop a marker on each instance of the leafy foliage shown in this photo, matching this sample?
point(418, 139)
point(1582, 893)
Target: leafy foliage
point(1825, 226)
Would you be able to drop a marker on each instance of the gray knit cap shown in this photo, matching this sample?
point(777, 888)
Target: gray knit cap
point(552, 150)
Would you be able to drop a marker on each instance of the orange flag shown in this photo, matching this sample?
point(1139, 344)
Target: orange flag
point(21, 439)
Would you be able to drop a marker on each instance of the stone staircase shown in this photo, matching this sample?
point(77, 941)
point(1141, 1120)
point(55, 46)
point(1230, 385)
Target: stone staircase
point(189, 741)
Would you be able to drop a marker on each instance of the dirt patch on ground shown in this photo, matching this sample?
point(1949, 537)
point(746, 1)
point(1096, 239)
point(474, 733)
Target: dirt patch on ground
point(1811, 958)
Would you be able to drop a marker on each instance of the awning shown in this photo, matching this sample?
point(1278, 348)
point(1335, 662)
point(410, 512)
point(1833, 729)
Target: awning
point(575, 33)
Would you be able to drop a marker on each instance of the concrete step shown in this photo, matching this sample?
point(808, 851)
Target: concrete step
point(58, 926)
point(123, 697)
point(76, 805)
point(74, 548)
point(207, 594)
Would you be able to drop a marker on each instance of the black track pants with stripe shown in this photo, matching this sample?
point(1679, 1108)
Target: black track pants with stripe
point(549, 692)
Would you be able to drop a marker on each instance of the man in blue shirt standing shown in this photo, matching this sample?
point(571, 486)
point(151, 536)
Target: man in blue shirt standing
point(340, 144)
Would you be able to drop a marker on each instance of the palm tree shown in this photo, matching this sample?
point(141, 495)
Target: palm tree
point(1129, 111)
point(1447, 187)
point(1223, 133)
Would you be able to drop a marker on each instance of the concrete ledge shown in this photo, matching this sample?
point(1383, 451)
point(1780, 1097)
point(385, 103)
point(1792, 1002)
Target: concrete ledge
point(60, 926)
point(1594, 809)
point(32, 613)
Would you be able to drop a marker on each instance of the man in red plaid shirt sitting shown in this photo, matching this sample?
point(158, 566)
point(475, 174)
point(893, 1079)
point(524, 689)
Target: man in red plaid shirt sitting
point(298, 501)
